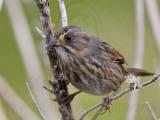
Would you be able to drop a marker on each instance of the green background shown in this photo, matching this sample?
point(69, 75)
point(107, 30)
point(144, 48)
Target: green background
point(112, 21)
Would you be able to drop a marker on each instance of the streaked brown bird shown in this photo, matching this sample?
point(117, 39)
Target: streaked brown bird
point(91, 65)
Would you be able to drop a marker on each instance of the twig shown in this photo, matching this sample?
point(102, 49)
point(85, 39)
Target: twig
point(87, 111)
point(63, 13)
point(58, 82)
point(40, 33)
point(36, 104)
point(97, 114)
point(151, 111)
point(49, 90)
point(155, 77)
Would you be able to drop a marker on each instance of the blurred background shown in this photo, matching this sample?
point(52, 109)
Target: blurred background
point(124, 24)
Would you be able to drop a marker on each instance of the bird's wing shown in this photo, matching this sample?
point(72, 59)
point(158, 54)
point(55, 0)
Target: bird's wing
point(114, 55)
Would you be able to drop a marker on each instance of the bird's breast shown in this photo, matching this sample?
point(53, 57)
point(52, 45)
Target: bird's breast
point(88, 75)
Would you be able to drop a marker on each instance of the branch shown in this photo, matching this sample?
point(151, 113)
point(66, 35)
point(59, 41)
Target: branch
point(36, 104)
point(155, 77)
point(151, 111)
point(58, 82)
point(40, 33)
point(97, 114)
point(63, 13)
point(87, 111)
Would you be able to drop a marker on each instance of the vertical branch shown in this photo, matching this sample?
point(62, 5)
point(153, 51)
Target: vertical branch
point(59, 84)
point(138, 55)
point(63, 13)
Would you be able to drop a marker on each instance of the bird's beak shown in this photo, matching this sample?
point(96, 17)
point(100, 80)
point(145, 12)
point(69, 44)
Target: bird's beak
point(52, 43)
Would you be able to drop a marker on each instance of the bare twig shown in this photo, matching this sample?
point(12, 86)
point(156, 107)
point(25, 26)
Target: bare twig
point(63, 13)
point(40, 33)
point(58, 82)
point(34, 100)
point(49, 90)
point(151, 111)
point(97, 114)
point(155, 77)
point(87, 111)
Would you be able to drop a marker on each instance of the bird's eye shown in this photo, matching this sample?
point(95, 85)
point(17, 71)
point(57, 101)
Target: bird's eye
point(68, 38)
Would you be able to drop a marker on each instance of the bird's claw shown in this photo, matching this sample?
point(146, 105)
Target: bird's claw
point(106, 104)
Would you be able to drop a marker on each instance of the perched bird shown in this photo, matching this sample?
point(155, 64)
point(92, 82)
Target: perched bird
point(91, 65)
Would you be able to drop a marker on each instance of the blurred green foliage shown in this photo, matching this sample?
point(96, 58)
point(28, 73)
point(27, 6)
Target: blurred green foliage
point(110, 20)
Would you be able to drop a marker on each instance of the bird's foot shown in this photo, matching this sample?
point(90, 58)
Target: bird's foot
point(107, 101)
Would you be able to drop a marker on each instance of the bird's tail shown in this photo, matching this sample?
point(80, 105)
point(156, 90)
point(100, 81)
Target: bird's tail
point(138, 72)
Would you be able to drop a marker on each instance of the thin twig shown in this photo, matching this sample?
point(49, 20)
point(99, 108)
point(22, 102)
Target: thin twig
point(63, 13)
point(151, 111)
point(36, 104)
point(49, 90)
point(87, 111)
point(40, 33)
point(155, 77)
point(97, 114)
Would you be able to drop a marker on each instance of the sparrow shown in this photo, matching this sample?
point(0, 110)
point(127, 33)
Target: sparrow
point(90, 64)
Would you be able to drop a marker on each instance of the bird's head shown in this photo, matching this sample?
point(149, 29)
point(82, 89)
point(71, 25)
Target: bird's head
point(72, 40)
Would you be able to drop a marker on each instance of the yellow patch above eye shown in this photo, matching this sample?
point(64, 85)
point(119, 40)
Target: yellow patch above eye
point(61, 38)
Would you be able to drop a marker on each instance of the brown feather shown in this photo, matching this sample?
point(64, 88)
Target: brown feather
point(115, 55)
point(138, 72)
